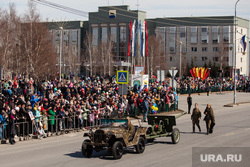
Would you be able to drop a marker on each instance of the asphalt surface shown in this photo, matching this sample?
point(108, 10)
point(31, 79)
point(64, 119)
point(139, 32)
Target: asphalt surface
point(232, 129)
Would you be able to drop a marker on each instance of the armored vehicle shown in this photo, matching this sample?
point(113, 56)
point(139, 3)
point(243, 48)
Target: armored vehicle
point(114, 135)
point(162, 126)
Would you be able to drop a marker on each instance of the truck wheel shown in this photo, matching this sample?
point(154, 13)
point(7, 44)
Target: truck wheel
point(140, 147)
point(87, 149)
point(117, 150)
point(175, 135)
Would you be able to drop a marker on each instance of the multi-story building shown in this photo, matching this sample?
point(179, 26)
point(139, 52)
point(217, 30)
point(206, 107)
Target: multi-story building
point(72, 33)
point(203, 40)
point(196, 41)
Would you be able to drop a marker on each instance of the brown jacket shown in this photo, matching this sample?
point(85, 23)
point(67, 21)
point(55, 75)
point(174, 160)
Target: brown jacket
point(196, 114)
point(209, 115)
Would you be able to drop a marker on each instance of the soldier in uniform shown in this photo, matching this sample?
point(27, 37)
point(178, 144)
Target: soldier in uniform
point(189, 101)
point(130, 130)
point(195, 117)
point(209, 118)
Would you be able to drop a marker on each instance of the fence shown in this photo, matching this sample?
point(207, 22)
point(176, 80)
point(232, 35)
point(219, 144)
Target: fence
point(49, 126)
point(203, 89)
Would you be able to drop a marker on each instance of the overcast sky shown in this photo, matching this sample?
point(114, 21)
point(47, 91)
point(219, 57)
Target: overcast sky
point(154, 8)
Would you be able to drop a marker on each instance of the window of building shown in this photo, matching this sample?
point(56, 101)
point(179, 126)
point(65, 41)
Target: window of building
point(104, 34)
point(215, 34)
point(241, 59)
point(204, 58)
point(113, 38)
point(183, 39)
point(226, 49)
point(204, 34)
point(74, 35)
point(57, 35)
point(215, 49)
point(204, 49)
point(161, 36)
point(215, 59)
point(193, 35)
point(170, 58)
point(240, 69)
point(226, 34)
point(95, 36)
point(122, 44)
point(194, 58)
point(66, 37)
point(194, 49)
point(225, 59)
point(172, 39)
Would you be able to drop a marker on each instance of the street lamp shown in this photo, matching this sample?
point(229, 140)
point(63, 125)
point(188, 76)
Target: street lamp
point(60, 58)
point(235, 52)
point(180, 59)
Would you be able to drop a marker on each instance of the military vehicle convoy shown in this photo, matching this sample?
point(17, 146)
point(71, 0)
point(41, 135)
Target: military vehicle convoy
point(114, 136)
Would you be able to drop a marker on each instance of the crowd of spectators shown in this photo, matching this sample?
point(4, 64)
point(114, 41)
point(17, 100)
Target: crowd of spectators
point(70, 104)
point(74, 104)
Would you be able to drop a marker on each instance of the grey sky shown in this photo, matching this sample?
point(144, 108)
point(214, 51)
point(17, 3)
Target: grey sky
point(154, 8)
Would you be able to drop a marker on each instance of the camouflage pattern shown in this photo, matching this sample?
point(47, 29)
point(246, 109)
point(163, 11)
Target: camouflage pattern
point(103, 135)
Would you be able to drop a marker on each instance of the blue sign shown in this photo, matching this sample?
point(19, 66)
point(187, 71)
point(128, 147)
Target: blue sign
point(122, 77)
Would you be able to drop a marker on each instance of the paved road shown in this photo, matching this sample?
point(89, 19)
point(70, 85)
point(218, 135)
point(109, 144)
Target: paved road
point(232, 130)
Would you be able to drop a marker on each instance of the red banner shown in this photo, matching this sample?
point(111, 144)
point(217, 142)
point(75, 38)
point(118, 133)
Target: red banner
point(130, 27)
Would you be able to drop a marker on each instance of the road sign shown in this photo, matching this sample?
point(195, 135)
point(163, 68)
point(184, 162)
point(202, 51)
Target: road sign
point(122, 77)
point(173, 72)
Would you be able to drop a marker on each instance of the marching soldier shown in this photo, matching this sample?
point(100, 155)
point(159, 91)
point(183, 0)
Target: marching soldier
point(209, 118)
point(195, 117)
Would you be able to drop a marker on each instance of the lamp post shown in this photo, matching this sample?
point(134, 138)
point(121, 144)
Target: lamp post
point(235, 52)
point(60, 58)
point(180, 59)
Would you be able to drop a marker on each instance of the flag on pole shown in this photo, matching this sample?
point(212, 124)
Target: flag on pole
point(146, 32)
point(243, 43)
point(143, 39)
point(130, 27)
point(136, 27)
point(133, 38)
point(140, 29)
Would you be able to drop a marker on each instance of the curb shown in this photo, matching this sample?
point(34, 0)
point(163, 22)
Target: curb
point(234, 105)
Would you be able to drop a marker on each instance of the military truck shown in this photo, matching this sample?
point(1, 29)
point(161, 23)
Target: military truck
point(162, 126)
point(113, 135)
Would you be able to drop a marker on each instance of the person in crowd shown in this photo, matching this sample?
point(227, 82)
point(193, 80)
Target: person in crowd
point(145, 108)
point(195, 117)
point(209, 118)
point(189, 102)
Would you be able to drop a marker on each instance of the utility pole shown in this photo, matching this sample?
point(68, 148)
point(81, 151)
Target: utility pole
point(235, 52)
point(60, 58)
point(180, 76)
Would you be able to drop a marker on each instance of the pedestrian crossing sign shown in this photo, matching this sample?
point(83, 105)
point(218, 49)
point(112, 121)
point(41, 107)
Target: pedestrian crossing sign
point(122, 77)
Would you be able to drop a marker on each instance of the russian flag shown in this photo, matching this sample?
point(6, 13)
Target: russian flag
point(243, 43)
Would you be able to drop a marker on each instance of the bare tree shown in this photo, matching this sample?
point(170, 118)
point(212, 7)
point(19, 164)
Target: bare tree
point(89, 52)
point(38, 54)
point(10, 26)
point(154, 54)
